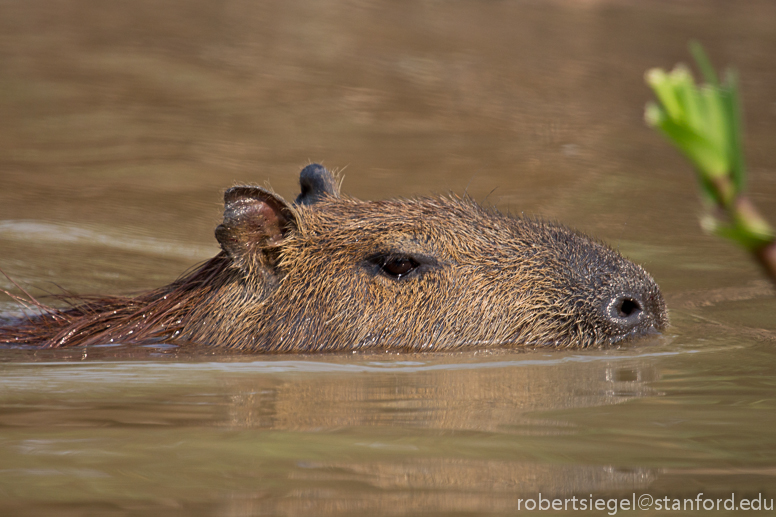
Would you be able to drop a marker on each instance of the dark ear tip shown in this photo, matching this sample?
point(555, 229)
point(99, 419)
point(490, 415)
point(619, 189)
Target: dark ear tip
point(313, 172)
point(316, 182)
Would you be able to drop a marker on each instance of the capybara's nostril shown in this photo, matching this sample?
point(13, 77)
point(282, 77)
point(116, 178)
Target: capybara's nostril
point(625, 310)
point(628, 307)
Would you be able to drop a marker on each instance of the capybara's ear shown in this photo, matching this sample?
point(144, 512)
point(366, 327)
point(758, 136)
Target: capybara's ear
point(316, 182)
point(255, 222)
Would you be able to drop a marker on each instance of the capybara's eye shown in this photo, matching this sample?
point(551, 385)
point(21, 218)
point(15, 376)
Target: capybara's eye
point(399, 266)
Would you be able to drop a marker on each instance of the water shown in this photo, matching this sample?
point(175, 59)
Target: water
point(122, 123)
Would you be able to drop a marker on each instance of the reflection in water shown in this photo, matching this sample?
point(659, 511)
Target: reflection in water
point(437, 487)
point(486, 404)
point(458, 397)
point(355, 434)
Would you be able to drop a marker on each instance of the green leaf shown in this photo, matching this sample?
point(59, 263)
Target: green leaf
point(704, 122)
point(654, 114)
point(696, 49)
point(664, 90)
point(690, 100)
point(715, 127)
point(732, 108)
point(727, 231)
point(705, 155)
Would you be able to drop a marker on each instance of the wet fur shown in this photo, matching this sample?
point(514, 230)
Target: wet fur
point(301, 278)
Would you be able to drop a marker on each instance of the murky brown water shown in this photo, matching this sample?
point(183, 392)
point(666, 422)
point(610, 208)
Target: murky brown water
point(122, 122)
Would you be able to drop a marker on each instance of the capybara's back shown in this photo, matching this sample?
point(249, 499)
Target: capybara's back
point(332, 273)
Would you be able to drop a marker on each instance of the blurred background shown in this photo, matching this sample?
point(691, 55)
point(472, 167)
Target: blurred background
point(124, 119)
point(122, 123)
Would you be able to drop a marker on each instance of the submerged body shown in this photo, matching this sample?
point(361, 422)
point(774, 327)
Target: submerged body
point(332, 273)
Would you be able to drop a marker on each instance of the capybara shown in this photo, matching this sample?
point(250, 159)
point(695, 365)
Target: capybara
point(333, 273)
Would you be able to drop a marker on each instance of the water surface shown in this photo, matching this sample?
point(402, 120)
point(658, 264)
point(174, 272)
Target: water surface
point(122, 123)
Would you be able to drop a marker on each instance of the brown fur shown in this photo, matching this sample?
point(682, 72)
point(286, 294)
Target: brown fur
point(311, 276)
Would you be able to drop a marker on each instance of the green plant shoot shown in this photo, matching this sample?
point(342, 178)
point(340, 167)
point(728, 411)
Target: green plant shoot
point(704, 122)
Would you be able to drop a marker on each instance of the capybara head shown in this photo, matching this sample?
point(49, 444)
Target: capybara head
point(437, 273)
point(333, 273)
